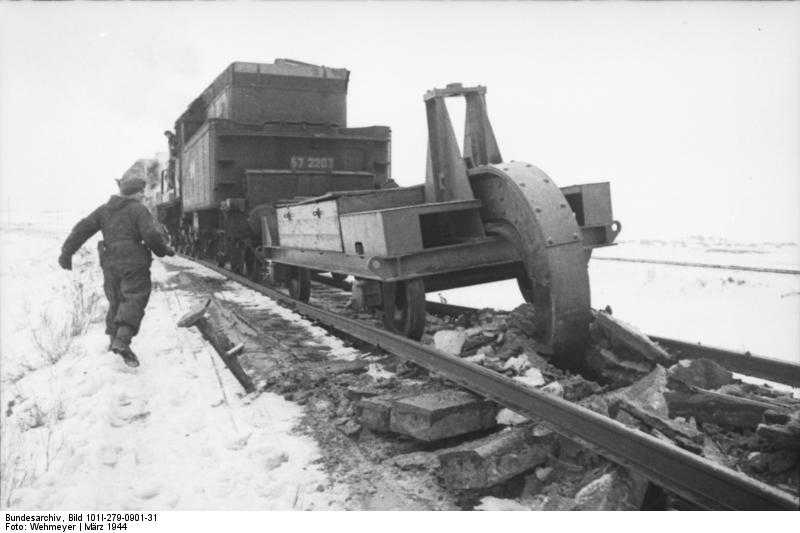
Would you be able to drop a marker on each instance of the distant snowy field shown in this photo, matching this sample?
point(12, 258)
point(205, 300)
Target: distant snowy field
point(732, 309)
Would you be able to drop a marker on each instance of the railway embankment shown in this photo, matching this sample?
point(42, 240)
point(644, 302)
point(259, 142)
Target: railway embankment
point(381, 419)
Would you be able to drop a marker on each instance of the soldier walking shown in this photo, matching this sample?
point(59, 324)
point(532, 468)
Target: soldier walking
point(129, 234)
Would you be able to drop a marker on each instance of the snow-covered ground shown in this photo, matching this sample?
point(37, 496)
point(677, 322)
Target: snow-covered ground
point(731, 309)
point(708, 250)
point(82, 430)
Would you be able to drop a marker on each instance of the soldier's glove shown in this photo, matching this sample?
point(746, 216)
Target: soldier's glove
point(169, 252)
point(65, 261)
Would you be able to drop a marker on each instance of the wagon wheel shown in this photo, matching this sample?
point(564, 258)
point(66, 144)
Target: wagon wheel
point(299, 283)
point(236, 257)
point(252, 266)
point(221, 259)
point(404, 307)
point(210, 249)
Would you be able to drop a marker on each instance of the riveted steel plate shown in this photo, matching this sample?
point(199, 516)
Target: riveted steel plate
point(542, 226)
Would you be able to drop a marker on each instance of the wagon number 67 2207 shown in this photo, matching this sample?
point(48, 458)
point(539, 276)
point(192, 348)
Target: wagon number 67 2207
point(311, 163)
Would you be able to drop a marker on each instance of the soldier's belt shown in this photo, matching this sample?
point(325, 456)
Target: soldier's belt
point(121, 241)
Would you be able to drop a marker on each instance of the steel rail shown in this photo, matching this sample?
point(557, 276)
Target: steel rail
point(694, 478)
point(740, 362)
point(745, 363)
point(693, 264)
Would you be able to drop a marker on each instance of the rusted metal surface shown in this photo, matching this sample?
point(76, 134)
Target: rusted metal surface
point(694, 478)
point(549, 241)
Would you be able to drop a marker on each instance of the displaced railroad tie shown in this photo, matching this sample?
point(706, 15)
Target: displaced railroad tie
point(782, 431)
point(718, 408)
point(496, 458)
point(684, 435)
point(430, 416)
point(624, 335)
point(224, 330)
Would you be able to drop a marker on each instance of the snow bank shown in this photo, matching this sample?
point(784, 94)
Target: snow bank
point(85, 431)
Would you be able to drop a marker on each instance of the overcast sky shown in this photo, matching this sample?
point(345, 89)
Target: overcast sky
point(691, 111)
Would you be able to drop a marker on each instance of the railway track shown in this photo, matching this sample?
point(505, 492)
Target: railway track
point(789, 271)
point(694, 478)
point(746, 363)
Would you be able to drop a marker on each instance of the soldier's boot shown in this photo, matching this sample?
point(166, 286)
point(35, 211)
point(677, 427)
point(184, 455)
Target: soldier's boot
point(121, 345)
point(124, 350)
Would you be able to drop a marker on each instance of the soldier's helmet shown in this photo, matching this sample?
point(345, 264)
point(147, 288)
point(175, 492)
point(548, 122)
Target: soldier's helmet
point(130, 185)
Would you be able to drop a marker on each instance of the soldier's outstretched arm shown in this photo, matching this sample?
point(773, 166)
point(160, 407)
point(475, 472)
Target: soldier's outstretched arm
point(151, 236)
point(81, 233)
